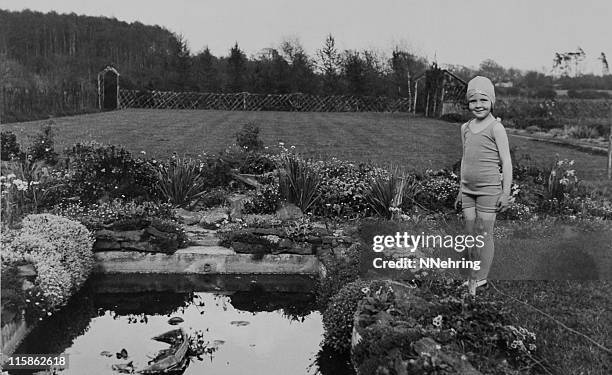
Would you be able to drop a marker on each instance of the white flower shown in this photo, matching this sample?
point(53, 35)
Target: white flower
point(571, 163)
point(11, 175)
point(437, 321)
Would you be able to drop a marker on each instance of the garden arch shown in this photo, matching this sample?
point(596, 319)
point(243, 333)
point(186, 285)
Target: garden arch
point(108, 88)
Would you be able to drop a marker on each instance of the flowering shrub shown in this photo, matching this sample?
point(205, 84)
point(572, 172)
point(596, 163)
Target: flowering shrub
point(61, 251)
point(339, 315)
point(98, 170)
point(262, 201)
point(344, 186)
point(97, 216)
point(256, 163)
point(438, 190)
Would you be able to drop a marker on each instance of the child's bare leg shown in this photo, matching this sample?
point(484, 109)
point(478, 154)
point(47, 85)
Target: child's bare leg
point(469, 215)
point(485, 253)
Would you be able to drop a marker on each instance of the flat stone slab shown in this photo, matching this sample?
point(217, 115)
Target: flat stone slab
point(204, 260)
point(205, 250)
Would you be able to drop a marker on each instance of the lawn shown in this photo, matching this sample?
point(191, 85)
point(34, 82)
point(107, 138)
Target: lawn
point(415, 142)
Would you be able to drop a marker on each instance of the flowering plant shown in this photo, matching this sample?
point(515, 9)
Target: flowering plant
point(61, 251)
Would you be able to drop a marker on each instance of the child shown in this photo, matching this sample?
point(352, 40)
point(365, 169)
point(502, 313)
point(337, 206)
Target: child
point(482, 192)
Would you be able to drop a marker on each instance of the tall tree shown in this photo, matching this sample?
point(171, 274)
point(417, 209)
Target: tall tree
point(329, 65)
point(303, 77)
point(405, 67)
point(492, 70)
point(236, 70)
point(205, 73)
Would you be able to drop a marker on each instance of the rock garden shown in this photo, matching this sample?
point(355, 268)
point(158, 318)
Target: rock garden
point(264, 209)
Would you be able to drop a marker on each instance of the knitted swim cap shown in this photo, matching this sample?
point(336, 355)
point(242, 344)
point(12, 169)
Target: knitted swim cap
point(481, 85)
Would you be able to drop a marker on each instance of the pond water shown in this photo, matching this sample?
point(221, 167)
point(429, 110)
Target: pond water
point(251, 324)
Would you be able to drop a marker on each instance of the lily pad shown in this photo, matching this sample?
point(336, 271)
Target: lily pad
point(106, 353)
point(218, 342)
point(239, 323)
point(175, 320)
point(123, 354)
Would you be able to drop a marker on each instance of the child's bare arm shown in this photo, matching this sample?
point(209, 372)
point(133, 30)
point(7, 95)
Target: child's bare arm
point(501, 138)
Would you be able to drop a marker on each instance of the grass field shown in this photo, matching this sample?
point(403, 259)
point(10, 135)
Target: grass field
point(414, 142)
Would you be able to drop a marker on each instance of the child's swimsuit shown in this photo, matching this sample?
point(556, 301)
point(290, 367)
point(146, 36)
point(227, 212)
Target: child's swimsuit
point(480, 169)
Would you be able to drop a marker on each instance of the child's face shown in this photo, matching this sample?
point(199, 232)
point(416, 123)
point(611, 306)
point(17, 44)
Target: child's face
point(480, 106)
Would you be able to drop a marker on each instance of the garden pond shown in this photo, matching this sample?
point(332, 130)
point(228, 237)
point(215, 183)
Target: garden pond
point(262, 324)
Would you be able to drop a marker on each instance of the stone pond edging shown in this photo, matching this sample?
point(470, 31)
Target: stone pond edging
point(204, 260)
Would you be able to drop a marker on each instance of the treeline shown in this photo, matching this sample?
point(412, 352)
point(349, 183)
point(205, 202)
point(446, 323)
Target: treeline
point(43, 50)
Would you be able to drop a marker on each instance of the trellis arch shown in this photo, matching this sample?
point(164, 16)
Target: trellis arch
point(103, 96)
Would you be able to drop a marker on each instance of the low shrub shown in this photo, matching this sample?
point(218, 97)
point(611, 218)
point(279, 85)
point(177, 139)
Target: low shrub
point(588, 94)
point(213, 198)
point(340, 313)
point(109, 171)
point(339, 272)
point(256, 163)
point(99, 216)
point(262, 201)
point(42, 145)
point(343, 187)
point(9, 147)
point(437, 190)
point(545, 93)
point(248, 137)
point(581, 131)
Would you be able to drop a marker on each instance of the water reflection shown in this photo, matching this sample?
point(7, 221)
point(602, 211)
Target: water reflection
point(262, 325)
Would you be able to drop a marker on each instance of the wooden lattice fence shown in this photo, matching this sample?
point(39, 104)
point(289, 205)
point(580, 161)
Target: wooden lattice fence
point(23, 104)
point(260, 102)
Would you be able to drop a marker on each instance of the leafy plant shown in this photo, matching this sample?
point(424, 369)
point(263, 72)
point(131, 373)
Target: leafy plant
point(248, 137)
point(108, 171)
point(262, 201)
point(386, 194)
point(180, 182)
point(115, 212)
point(9, 146)
point(339, 315)
point(42, 147)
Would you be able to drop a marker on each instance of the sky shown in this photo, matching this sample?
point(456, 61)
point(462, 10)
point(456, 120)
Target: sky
point(523, 34)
